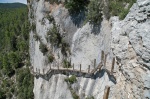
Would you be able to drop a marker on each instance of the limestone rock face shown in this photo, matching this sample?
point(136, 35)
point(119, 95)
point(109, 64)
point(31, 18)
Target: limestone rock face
point(127, 40)
point(131, 46)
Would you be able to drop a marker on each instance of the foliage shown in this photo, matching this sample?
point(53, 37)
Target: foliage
point(71, 79)
point(50, 58)
point(50, 18)
point(43, 48)
point(33, 27)
point(24, 84)
point(54, 1)
point(94, 11)
point(14, 29)
point(36, 36)
point(2, 94)
point(64, 47)
point(14, 46)
point(57, 40)
point(54, 35)
point(74, 95)
point(7, 69)
point(117, 7)
point(66, 64)
point(91, 97)
point(75, 6)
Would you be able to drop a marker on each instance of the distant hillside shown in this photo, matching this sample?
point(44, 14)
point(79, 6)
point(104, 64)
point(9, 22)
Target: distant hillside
point(12, 5)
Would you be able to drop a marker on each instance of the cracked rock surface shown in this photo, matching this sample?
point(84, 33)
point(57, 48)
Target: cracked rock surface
point(131, 46)
point(127, 40)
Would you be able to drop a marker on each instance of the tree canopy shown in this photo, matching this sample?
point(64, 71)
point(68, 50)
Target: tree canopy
point(14, 55)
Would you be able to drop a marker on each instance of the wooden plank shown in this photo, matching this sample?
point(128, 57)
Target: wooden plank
point(94, 63)
point(100, 66)
point(67, 65)
point(102, 56)
point(106, 92)
point(73, 66)
point(105, 60)
point(89, 69)
point(112, 68)
point(80, 67)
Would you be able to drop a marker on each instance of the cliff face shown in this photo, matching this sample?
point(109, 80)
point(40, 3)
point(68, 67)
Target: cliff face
point(127, 40)
point(130, 45)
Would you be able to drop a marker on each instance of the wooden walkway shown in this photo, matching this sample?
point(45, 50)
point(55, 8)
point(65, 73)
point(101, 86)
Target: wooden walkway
point(72, 71)
point(68, 71)
point(80, 72)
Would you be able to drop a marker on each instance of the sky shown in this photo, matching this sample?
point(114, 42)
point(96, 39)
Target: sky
point(11, 1)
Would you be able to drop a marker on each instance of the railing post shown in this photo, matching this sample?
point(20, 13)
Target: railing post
point(50, 66)
point(105, 60)
point(73, 66)
point(80, 67)
point(70, 60)
point(43, 71)
point(89, 69)
point(58, 67)
point(94, 63)
point(102, 56)
point(112, 68)
point(36, 69)
point(106, 92)
point(39, 71)
point(67, 65)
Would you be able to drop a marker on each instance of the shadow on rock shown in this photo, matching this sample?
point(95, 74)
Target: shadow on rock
point(96, 28)
point(78, 18)
point(98, 74)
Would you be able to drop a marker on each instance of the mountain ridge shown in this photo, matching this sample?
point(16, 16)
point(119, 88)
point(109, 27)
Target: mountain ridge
point(12, 5)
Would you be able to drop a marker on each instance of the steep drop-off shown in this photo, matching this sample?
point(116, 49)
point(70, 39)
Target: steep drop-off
point(127, 40)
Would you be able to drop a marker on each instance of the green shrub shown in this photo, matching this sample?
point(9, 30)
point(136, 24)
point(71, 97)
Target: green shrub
point(66, 64)
point(74, 95)
point(94, 12)
point(37, 38)
point(14, 60)
point(14, 48)
point(43, 48)
point(33, 27)
point(7, 68)
point(54, 35)
point(64, 47)
point(123, 14)
point(54, 1)
point(50, 18)
point(24, 84)
point(31, 14)
point(71, 79)
point(56, 39)
point(50, 58)
point(91, 97)
point(2, 94)
point(117, 7)
point(76, 6)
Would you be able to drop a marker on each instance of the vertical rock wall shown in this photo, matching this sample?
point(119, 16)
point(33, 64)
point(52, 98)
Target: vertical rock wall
point(130, 45)
point(127, 41)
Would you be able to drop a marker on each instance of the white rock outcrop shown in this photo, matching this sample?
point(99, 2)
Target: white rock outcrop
point(131, 46)
point(127, 40)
